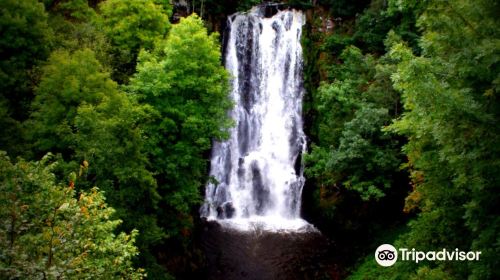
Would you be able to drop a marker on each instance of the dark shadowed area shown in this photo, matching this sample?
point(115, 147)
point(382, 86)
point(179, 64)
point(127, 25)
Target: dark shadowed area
point(258, 254)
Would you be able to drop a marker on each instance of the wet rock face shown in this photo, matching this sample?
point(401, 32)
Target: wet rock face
point(262, 255)
point(225, 211)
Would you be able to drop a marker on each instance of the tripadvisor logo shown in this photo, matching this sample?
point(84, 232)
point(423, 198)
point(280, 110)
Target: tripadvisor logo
point(387, 255)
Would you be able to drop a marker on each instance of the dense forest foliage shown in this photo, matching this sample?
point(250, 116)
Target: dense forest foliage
point(408, 93)
point(108, 110)
point(125, 102)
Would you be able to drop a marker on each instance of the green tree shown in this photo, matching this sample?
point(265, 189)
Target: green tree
point(76, 26)
point(352, 163)
point(24, 41)
point(68, 80)
point(451, 119)
point(131, 25)
point(184, 82)
point(111, 136)
point(351, 150)
point(80, 114)
point(47, 233)
point(73, 10)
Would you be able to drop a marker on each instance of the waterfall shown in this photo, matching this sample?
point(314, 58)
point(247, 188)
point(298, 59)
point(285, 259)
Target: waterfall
point(258, 172)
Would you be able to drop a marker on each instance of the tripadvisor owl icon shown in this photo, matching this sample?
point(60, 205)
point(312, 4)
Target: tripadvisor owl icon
point(386, 255)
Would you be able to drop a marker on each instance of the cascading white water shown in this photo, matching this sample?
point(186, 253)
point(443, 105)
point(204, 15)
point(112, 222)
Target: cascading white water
point(258, 170)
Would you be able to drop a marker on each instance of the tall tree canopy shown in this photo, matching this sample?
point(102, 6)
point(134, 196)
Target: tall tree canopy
point(451, 119)
point(131, 25)
point(25, 39)
point(68, 80)
point(50, 234)
point(80, 113)
point(183, 80)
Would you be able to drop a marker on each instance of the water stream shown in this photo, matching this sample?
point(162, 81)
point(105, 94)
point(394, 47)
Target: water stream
point(258, 171)
point(253, 228)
